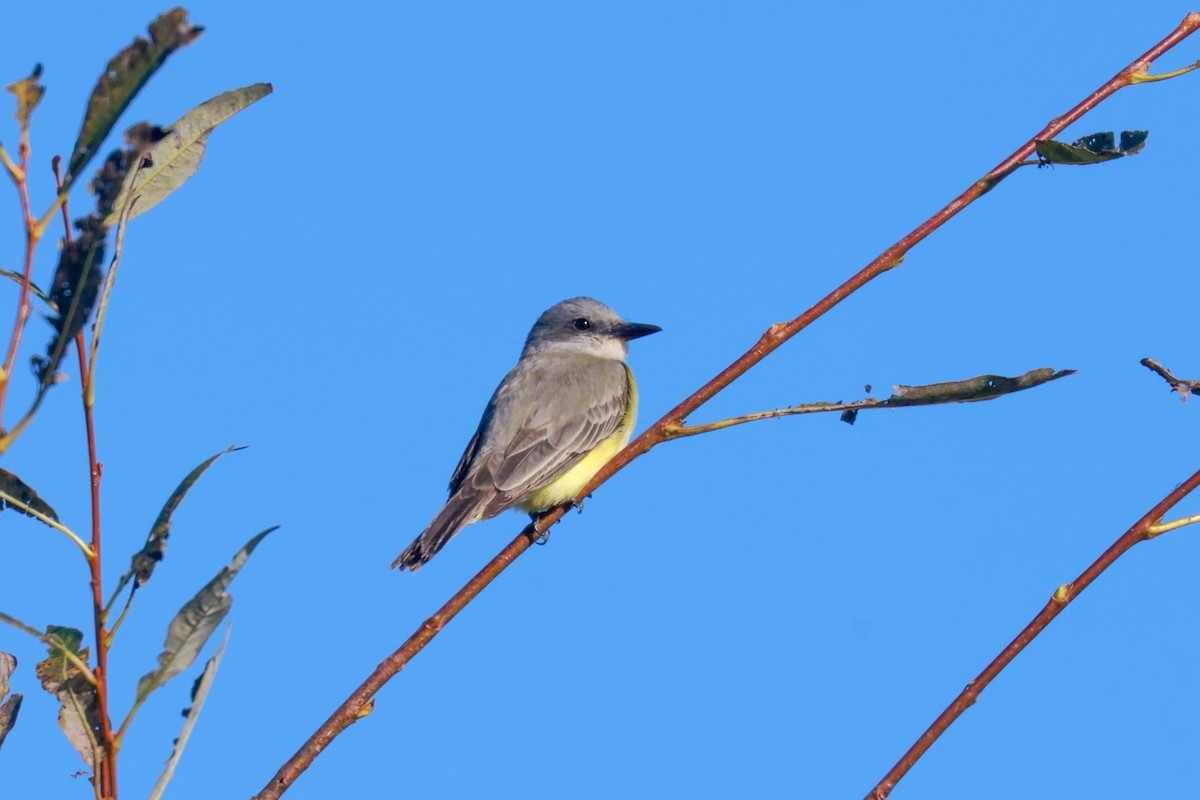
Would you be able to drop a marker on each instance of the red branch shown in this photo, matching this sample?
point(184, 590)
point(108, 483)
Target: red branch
point(1061, 599)
point(358, 704)
point(106, 776)
point(31, 243)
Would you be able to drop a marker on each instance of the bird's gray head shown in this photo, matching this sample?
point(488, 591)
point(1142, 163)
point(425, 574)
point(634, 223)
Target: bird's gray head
point(584, 325)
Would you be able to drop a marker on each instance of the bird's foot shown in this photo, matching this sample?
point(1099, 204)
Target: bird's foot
point(543, 536)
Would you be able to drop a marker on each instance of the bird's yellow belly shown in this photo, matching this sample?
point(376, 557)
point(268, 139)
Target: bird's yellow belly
point(564, 488)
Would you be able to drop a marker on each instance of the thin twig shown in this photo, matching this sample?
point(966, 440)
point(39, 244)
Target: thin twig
point(1163, 527)
point(353, 707)
point(55, 642)
point(1139, 532)
point(33, 287)
point(53, 523)
point(32, 236)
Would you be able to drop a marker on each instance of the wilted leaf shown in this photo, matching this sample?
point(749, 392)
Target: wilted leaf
point(79, 716)
point(199, 693)
point(9, 708)
point(1092, 149)
point(107, 182)
point(8, 715)
point(147, 559)
point(29, 93)
point(124, 76)
point(57, 669)
point(176, 157)
point(972, 390)
point(8, 665)
point(1185, 386)
point(195, 622)
point(14, 487)
point(76, 286)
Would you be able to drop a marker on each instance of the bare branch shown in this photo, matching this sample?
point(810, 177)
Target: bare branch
point(1141, 530)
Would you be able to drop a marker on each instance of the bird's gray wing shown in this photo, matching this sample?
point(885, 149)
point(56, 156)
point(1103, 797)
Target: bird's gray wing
point(468, 456)
point(580, 403)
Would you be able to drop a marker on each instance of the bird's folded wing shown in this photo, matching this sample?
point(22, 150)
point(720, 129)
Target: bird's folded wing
point(577, 409)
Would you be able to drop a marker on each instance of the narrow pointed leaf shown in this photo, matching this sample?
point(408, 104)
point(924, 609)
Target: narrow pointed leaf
point(13, 486)
point(79, 716)
point(123, 78)
point(195, 623)
point(8, 665)
point(145, 560)
point(29, 93)
point(8, 715)
point(176, 157)
point(199, 694)
point(10, 707)
point(1092, 149)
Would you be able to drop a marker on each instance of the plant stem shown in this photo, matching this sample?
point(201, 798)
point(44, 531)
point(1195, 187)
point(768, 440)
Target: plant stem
point(32, 236)
point(107, 768)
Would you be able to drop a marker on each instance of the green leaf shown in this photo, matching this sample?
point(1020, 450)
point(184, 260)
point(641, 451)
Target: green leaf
point(155, 548)
point(14, 487)
point(195, 623)
point(199, 693)
point(123, 78)
point(57, 670)
point(1092, 149)
point(176, 157)
point(8, 708)
point(29, 93)
point(80, 714)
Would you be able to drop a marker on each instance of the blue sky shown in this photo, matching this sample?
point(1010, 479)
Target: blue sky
point(772, 611)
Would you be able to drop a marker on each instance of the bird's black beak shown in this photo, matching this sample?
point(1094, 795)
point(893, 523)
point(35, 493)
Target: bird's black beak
point(634, 330)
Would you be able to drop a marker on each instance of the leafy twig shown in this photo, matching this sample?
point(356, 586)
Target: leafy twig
point(983, 387)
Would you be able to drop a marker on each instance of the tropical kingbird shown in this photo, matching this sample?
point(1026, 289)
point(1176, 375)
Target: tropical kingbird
point(563, 411)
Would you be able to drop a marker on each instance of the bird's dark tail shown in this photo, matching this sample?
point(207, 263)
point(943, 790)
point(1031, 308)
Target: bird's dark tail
point(450, 520)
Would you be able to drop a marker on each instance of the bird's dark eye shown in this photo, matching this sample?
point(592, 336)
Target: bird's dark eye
point(581, 324)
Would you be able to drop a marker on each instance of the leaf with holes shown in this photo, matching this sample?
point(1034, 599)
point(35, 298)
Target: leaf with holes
point(1092, 149)
point(123, 78)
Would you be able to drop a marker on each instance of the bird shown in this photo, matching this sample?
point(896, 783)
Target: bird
point(565, 409)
